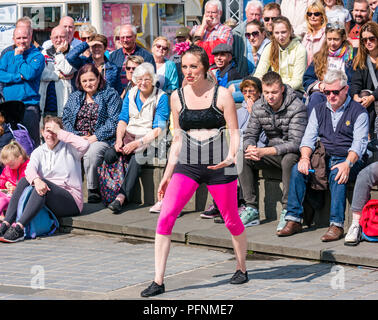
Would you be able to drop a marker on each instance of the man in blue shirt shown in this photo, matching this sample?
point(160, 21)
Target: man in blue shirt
point(20, 73)
point(342, 125)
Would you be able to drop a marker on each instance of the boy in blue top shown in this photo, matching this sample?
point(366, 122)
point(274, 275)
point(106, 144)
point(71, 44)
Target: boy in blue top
point(20, 73)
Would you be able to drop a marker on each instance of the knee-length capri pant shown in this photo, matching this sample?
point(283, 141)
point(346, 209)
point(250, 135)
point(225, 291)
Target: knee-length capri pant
point(179, 191)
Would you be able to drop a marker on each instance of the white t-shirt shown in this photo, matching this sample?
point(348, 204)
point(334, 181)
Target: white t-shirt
point(161, 75)
point(338, 14)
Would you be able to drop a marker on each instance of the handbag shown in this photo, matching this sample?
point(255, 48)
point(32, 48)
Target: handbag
point(110, 178)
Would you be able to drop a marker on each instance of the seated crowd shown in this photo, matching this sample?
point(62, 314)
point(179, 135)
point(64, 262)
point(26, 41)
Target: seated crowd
point(304, 89)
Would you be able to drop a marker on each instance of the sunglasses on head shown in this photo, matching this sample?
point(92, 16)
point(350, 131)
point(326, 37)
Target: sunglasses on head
point(335, 25)
point(161, 47)
point(335, 92)
point(316, 14)
point(370, 39)
point(253, 34)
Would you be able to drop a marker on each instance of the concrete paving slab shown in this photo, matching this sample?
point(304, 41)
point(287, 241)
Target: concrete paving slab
point(191, 229)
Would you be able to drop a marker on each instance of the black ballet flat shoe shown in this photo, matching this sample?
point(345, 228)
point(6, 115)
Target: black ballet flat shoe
point(115, 206)
point(153, 290)
point(94, 196)
point(239, 277)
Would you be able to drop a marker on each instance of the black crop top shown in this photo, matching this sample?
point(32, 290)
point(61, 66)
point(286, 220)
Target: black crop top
point(209, 118)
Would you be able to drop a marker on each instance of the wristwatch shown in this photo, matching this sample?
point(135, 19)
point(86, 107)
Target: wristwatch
point(350, 163)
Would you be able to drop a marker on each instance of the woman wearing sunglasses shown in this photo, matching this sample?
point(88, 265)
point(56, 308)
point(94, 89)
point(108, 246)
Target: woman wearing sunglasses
point(363, 89)
point(316, 20)
point(165, 69)
point(335, 54)
point(284, 55)
point(131, 63)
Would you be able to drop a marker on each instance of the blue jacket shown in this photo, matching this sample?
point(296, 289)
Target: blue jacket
point(30, 66)
point(77, 60)
point(310, 77)
point(110, 105)
point(118, 57)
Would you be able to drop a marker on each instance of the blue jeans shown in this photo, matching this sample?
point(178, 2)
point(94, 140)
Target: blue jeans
point(298, 186)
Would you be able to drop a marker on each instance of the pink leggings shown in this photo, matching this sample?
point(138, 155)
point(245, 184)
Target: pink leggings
point(179, 191)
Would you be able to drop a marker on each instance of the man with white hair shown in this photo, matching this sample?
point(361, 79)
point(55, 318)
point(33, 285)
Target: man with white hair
point(128, 36)
point(67, 23)
point(342, 125)
point(241, 46)
point(211, 32)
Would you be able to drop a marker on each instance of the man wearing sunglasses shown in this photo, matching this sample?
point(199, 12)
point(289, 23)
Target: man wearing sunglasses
point(342, 125)
point(271, 11)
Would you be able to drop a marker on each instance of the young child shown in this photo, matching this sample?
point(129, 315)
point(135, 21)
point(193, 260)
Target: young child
point(15, 160)
point(337, 13)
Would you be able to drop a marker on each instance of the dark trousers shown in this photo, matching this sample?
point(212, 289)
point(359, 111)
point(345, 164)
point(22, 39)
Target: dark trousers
point(58, 200)
point(132, 174)
point(249, 176)
point(31, 121)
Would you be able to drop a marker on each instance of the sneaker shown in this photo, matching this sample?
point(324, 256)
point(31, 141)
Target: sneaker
point(153, 290)
point(250, 217)
point(156, 207)
point(3, 229)
point(282, 222)
point(241, 209)
point(13, 234)
point(210, 213)
point(239, 277)
point(353, 237)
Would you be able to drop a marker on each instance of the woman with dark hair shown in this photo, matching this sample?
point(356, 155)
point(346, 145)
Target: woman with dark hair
point(363, 88)
point(54, 171)
point(92, 112)
point(284, 55)
point(201, 110)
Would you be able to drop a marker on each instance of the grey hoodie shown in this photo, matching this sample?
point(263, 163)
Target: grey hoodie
point(284, 128)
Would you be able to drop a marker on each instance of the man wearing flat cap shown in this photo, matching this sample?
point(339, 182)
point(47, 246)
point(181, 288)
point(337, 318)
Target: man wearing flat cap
point(225, 68)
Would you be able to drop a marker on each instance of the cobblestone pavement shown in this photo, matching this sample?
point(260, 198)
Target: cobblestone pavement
point(74, 266)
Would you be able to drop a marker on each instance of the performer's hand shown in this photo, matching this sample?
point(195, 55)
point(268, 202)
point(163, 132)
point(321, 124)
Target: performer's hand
point(225, 163)
point(162, 188)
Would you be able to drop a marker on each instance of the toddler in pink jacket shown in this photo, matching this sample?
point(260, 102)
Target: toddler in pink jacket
point(15, 160)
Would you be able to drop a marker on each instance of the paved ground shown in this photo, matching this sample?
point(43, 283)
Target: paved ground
point(75, 266)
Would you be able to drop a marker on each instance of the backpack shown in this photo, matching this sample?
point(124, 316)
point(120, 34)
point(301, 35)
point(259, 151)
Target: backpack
point(43, 224)
point(110, 179)
point(21, 134)
point(369, 221)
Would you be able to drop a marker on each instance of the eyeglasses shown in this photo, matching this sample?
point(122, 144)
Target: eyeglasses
point(253, 34)
point(130, 68)
point(335, 25)
point(143, 80)
point(161, 47)
point(335, 92)
point(249, 91)
point(316, 14)
point(266, 19)
point(370, 39)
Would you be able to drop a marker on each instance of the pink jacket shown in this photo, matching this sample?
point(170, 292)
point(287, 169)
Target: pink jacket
point(12, 175)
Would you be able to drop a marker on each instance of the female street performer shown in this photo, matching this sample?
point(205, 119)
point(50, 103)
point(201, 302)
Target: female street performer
point(199, 154)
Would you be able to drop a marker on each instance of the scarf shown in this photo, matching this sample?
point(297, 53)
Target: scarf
point(345, 52)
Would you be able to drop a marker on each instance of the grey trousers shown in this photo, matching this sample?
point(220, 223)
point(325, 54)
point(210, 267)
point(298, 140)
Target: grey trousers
point(249, 176)
point(92, 159)
point(366, 180)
